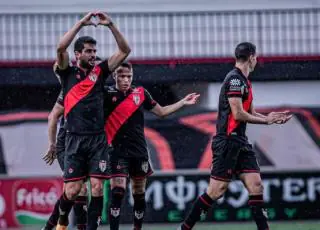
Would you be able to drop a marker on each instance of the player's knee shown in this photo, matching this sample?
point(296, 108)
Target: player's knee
point(138, 187)
point(72, 190)
point(255, 187)
point(216, 191)
point(97, 187)
point(83, 191)
point(138, 190)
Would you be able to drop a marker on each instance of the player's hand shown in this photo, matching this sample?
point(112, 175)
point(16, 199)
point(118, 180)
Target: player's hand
point(50, 155)
point(279, 117)
point(104, 19)
point(87, 20)
point(284, 120)
point(273, 117)
point(191, 99)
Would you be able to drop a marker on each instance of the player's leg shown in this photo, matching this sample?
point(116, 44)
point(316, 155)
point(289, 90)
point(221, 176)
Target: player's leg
point(71, 191)
point(215, 190)
point(118, 170)
point(98, 152)
point(80, 208)
point(249, 171)
point(118, 188)
point(53, 219)
point(75, 172)
point(223, 164)
point(96, 203)
point(254, 186)
point(139, 170)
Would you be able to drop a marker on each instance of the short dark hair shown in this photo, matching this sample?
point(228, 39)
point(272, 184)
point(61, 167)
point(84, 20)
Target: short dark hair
point(126, 65)
point(123, 65)
point(244, 50)
point(79, 43)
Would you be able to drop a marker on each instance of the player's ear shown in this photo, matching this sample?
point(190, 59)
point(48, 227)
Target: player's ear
point(77, 54)
point(251, 57)
point(114, 75)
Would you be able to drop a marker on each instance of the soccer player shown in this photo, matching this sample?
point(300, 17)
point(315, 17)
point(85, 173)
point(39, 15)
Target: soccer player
point(124, 110)
point(56, 150)
point(232, 152)
point(85, 144)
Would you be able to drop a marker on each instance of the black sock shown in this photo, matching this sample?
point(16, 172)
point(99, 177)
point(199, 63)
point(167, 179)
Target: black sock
point(94, 212)
point(53, 219)
point(117, 195)
point(80, 211)
point(200, 207)
point(259, 213)
point(64, 209)
point(138, 210)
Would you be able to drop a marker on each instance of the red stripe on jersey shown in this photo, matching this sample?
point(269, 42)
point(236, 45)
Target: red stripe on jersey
point(247, 103)
point(81, 89)
point(234, 93)
point(232, 123)
point(123, 112)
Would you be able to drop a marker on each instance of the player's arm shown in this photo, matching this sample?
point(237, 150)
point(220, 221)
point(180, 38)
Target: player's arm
point(234, 89)
point(163, 111)
point(239, 114)
point(284, 116)
point(65, 41)
point(255, 113)
point(53, 118)
point(123, 47)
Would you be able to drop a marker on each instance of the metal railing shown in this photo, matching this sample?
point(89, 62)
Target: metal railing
point(169, 35)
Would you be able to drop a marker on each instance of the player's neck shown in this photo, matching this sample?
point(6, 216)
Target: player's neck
point(122, 91)
point(244, 68)
point(84, 69)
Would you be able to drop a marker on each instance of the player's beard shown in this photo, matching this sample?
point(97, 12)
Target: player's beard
point(85, 64)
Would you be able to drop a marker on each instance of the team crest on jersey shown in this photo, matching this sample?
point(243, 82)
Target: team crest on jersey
point(136, 99)
point(93, 77)
point(102, 165)
point(145, 166)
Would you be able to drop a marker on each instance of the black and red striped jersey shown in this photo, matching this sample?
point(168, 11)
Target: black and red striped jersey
point(234, 85)
point(124, 115)
point(83, 98)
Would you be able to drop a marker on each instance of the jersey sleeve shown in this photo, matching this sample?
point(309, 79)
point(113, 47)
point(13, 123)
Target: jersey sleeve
point(105, 68)
point(61, 73)
point(148, 103)
point(60, 98)
point(234, 87)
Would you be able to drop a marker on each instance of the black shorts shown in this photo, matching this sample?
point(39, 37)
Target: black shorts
point(85, 156)
point(135, 168)
point(60, 158)
point(232, 157)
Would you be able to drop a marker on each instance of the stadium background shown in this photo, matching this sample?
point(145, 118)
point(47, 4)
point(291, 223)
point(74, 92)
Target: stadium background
point(178, 47)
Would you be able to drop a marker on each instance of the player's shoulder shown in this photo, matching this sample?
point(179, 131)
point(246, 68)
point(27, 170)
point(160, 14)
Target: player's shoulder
point(110, 89)
point(66, 71)
point(234, 78)
point(137, 88)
